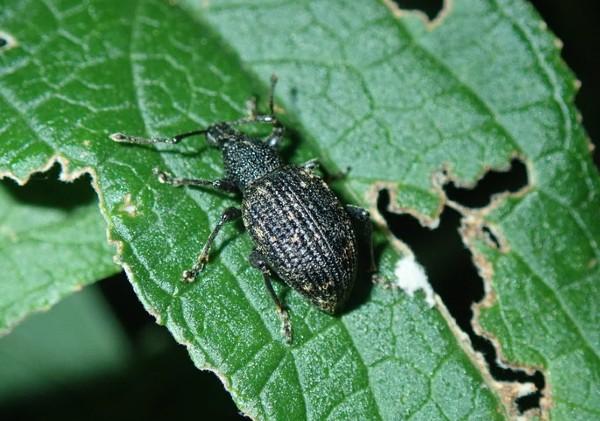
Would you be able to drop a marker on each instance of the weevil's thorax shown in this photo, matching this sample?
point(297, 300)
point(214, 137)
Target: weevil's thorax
point(247, 159)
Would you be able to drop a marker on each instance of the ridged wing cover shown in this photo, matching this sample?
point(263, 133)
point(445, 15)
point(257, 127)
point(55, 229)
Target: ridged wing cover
point(304, 233)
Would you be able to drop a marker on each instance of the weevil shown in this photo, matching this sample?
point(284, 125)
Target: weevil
point(301, 231)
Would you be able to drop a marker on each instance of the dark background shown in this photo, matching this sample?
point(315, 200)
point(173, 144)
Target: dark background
point(164, 383)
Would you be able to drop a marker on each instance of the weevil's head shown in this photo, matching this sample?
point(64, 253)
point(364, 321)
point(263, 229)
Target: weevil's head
point(219, 134)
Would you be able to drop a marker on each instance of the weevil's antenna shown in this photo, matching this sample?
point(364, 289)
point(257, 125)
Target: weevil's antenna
point(254, 117)
point(124, 138)
point(272, 93)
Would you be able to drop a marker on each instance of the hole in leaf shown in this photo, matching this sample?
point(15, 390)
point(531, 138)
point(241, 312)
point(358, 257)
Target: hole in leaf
point(493, 182)
point(450, 269)
point(431, 8)
point(46, 190)
point(491, 236)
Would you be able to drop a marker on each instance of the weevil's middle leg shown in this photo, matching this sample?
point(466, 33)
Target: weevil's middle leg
point(364, 232)
point(258, 262)
point(222, 184)
point(313, 164)
point(229, 215)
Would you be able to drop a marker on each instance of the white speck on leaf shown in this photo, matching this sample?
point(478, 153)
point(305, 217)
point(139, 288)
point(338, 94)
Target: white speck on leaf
point(128, 206)
point(410, 276)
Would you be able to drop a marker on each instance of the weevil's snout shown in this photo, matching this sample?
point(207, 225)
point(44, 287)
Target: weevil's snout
point(218, 134)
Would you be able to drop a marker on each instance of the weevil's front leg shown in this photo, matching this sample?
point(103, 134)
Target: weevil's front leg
point(258, 262)
point(222, 185)
point(363, 228)
point(124, 138)
point(276, 135)
point(230, 214)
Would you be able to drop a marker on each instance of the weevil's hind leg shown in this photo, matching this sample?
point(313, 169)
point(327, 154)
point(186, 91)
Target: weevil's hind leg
point(224, 184)
point(258, 262)
point(229, 215)
point(124, 138)
point(363, 228)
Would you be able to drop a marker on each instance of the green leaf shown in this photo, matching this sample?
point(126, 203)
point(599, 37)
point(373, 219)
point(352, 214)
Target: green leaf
point(393, 99)
point(76, 340)
point(53, 242)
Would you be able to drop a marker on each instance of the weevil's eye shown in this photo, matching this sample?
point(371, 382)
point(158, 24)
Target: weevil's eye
point(212, 138)
point(218, 134)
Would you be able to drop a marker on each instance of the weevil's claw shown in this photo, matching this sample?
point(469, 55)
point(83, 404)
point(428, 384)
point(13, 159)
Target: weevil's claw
point(162, 176)
point(189, 276)
point(166, 178)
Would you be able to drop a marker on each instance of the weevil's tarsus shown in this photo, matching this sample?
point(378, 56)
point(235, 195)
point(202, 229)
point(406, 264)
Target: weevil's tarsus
point(224, 184)
point(230, 214)
point(257, 261)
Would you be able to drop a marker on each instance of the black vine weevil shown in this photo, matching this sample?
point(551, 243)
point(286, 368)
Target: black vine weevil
point(300, 229)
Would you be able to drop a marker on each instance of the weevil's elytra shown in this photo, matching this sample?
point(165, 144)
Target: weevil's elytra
point(312, 245)
point(300, 229)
